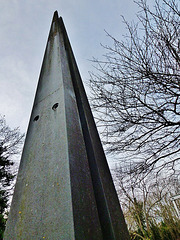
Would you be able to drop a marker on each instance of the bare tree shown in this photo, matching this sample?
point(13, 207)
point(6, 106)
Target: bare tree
point(136, 90)
point(10, 145)
point(147, 204)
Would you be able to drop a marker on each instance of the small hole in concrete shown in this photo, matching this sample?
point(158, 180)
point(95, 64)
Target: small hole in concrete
point(36, 118)
point(55, 106)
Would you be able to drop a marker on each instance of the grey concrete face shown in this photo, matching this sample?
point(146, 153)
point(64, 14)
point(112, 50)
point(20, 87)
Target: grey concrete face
point(64, 188)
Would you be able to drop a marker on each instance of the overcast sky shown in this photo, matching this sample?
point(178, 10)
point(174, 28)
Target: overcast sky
point(24, 28)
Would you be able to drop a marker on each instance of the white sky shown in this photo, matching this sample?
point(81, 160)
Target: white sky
point(24, 28)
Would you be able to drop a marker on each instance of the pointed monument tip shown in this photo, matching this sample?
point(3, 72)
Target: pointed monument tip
point(55, 17)
point(61, 20)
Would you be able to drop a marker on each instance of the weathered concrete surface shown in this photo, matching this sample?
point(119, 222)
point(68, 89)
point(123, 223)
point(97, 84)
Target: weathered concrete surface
point(64, 188)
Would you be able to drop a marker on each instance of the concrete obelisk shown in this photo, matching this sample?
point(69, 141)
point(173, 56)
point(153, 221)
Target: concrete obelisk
point(64, 189)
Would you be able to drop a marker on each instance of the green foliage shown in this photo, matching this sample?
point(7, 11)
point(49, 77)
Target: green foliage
point(139, 215)
point(155, 232)
point(168, 229)
point(6, 177)
point(147, 205)
point(159, 231)
point(2, 226)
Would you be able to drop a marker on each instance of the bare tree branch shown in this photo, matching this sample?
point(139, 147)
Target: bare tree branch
point(136, 90)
